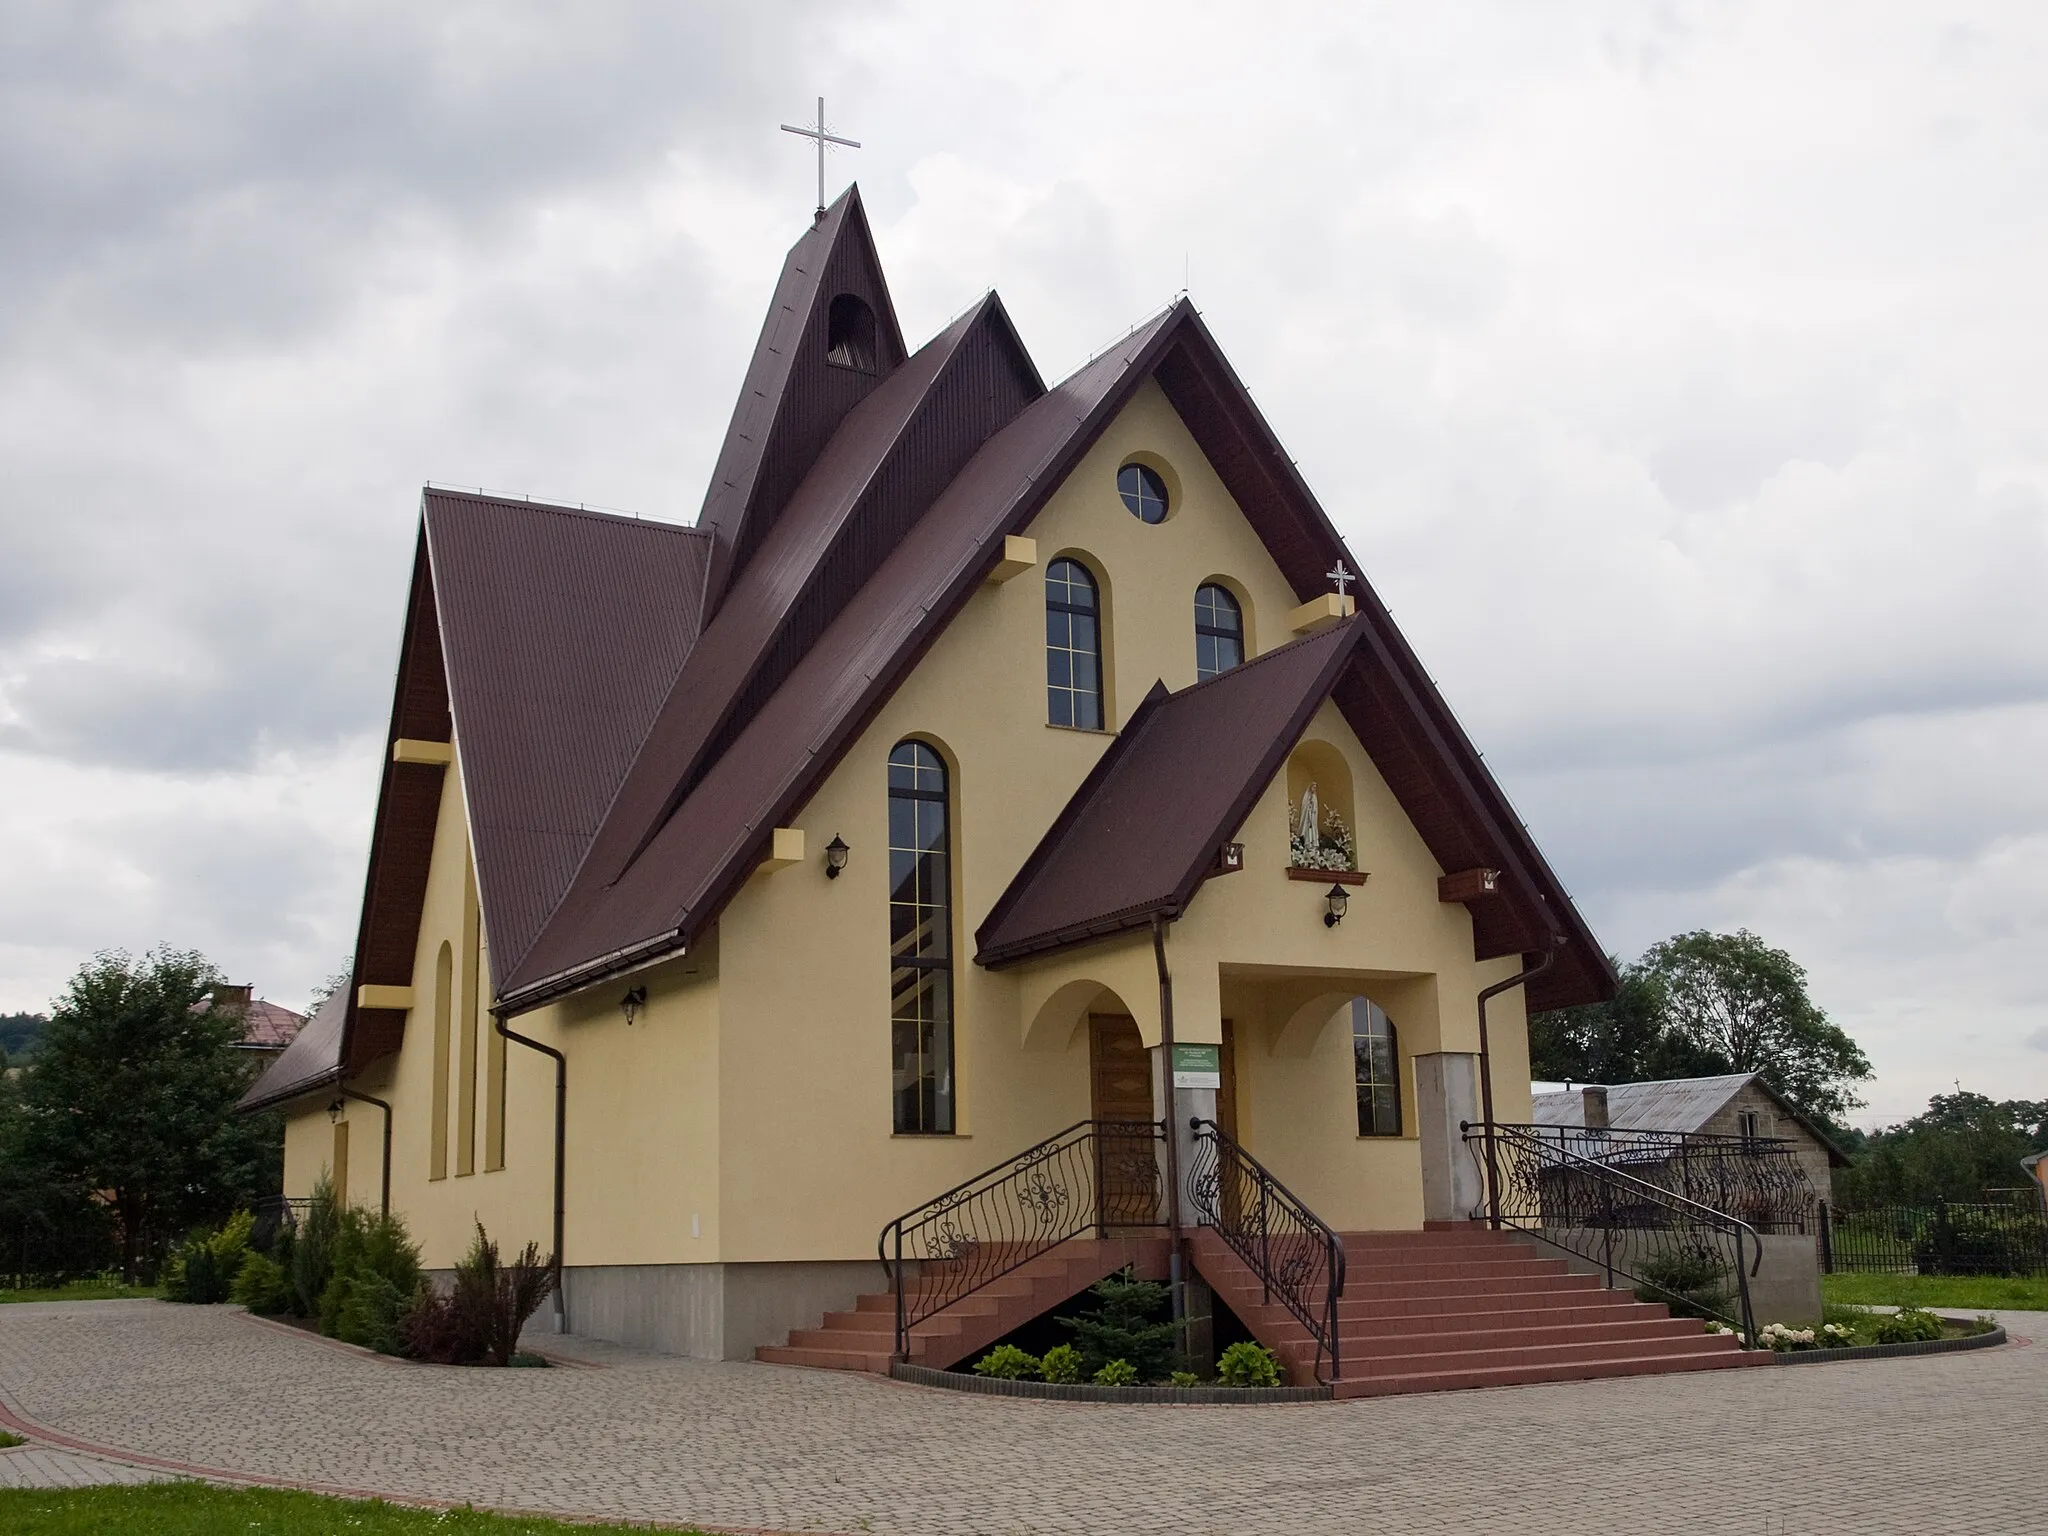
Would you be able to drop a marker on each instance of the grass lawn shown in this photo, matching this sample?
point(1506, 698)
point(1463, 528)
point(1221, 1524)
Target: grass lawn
point(82, 1290)
point(1974, 1293)
point(193, 1509)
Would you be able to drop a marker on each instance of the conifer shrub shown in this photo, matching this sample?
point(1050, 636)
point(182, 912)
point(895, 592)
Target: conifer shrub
point(1062, 1363)
point(203, 1269)
point(1006, 1362)
point(1127, 1323)
point(262, 1286)
point(1246, 1364)
point(312, 1263)
point(373, 1271)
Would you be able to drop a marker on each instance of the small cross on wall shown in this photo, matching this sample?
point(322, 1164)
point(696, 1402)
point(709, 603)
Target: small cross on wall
point(1341, 577)
point(817, 131)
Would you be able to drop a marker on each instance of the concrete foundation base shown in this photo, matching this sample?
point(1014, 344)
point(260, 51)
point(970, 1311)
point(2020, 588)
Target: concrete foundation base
point(709, 1311)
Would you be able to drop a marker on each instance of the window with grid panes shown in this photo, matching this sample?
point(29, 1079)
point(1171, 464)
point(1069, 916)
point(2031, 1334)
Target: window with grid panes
point(1376, 1061)
point(1219, 631)
point(1073, 646)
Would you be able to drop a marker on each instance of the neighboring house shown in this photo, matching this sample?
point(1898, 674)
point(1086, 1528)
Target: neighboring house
point(2037, 1170)
point(1739, 1104)
point(267, 1028)
point(980, 738)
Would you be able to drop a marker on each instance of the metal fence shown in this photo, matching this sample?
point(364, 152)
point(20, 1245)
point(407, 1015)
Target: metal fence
point(1756, 1178)
point(1987, 1237)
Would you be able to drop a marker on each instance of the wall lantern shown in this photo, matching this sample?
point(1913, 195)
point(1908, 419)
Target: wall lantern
point(631, 1004)
point(835, 856)
point(334, 1110)
point(1336, 898)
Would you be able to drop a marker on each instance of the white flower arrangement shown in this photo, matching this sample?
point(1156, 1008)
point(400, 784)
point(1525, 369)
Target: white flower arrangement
point(1780, 1336)
point(1317, 837)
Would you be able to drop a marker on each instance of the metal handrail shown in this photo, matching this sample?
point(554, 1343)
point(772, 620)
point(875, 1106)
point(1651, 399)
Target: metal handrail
point(1094, 1175)
point(1759, 1179)
point(1274, 1232)
point(1554, 1192)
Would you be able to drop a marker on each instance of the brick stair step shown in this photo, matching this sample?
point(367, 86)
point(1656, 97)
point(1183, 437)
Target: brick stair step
point(1476, 1269)
point(1481, 1285)
point(823, 1359)
point(1377, 1324)
point(1429, 1362)
point(1529, 1375)
point(1515, 1336)
point(1363, 1308)
point(842, 1339)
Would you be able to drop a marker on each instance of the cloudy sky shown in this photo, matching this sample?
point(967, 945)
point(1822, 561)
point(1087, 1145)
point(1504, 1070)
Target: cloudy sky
point(1674, 369)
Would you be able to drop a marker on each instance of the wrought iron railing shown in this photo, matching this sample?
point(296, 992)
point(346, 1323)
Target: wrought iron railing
point(1759, 1179)
point(1299, 1260)
point(1669, 1247)
point(1095, 1176)
point(1980, 1237)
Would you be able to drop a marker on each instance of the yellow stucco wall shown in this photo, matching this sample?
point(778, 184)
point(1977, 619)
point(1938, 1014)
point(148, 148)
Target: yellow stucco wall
point(747, 1115)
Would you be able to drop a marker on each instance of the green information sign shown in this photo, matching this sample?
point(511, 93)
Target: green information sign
point(1198, 1066)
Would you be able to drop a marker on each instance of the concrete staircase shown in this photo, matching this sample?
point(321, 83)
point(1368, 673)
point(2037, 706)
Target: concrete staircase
point(1468, 1307)
point(864, 1339)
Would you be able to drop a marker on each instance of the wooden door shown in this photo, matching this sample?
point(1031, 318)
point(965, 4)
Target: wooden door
point(1120, 1089)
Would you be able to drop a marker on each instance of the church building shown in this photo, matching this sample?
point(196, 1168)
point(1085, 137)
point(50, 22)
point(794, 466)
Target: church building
point(993, 762)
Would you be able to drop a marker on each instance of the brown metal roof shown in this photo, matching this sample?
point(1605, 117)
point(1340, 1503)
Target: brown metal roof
point(896, 451)
point(312, 1061)
point(792, 399)
point(1142, 832)
point(715, 838)
point(563, 631)
point(852, 514)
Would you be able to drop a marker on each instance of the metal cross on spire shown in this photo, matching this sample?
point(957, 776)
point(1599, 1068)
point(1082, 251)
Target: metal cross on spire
point(1341, 576)
point(817, 131)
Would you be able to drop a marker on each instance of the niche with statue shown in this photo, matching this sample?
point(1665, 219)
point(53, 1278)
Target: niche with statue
point(1319, 810)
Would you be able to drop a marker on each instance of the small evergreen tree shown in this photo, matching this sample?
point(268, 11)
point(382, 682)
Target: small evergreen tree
point(1127, 1322)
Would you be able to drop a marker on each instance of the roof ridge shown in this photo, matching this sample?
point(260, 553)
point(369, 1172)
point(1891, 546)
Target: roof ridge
point(562, 509)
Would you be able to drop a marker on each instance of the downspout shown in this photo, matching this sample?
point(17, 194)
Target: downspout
point(1173, 1225)
point(561, 1150)
point(1486, 996)
point(384, 1192)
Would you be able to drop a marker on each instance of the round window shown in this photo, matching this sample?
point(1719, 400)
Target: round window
point(1143, 492)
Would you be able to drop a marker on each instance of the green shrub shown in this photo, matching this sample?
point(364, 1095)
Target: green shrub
point(1117, 1373)
point(1691, 1281)
point(1908, 1327)
point(9, 1442)
point(1127, 1323)
point(1062, 1363)
point(1006, 1362)
point(312, 1263)
point(1185, 1379)
point(373, 1270)
point(477, 1320)
point(262, 1286)
point(1246, 1364)
point(203, 1269)
point(1964, 1241)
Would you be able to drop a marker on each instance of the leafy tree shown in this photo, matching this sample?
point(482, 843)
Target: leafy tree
point(1734, 997)
point(1959, 1146)
point(1699, 1005)
point(336, 982)
point(131, 1103)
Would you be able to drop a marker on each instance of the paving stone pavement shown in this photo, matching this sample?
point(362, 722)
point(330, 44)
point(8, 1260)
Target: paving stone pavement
point(39, 1466)
point(1929, 1445)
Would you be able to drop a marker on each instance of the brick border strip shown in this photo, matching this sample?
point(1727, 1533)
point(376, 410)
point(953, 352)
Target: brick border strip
point(1892, 1351)
point(1088, 1392)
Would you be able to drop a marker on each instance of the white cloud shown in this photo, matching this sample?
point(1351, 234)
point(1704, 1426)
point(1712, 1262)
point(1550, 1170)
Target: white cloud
point(1670, 368)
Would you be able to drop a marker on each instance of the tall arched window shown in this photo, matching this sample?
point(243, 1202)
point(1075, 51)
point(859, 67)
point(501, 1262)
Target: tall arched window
point(1073, 646)
point(1376, 1054)
point(1219, 631)
point(920, 941)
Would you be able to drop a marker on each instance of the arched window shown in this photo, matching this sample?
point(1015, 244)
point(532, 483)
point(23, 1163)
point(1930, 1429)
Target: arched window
point(1219, 631)
point(1376, 1053)
point(850, 334)
point(920, 942)
point(1073, 646)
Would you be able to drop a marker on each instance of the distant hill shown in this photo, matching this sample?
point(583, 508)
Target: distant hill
point(20, 1033)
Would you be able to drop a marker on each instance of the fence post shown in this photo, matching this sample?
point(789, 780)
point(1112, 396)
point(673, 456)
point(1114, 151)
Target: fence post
point(1827, 1238)
point(1742, 1284)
